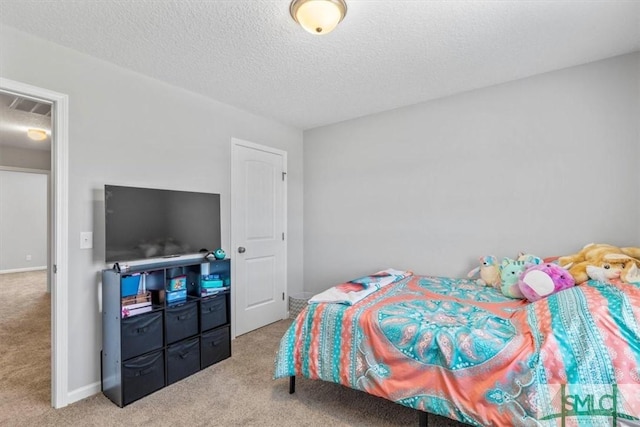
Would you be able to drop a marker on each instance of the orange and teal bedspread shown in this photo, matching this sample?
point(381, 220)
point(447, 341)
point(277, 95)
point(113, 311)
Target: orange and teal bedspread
point(464, 351)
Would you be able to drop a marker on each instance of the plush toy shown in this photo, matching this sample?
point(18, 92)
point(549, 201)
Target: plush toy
point(539, 281)
point(531, 259)
point(598, 255)
point(489, 272)
point(510, 271)
point(615, 273)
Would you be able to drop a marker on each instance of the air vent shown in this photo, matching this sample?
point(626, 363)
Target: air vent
point(31, 106)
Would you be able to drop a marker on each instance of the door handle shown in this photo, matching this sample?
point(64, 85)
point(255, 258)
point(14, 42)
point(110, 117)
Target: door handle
point(241, 249)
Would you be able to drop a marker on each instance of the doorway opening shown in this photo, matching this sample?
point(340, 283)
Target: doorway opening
point(25, 326)
point(57, 258)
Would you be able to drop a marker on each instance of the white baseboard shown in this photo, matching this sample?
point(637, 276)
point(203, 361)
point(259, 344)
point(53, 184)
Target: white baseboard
point(83, 392)
point(23, 270)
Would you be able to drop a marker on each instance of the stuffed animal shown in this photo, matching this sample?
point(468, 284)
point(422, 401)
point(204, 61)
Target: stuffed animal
point(615, 273)
point(510, 271)
point(539, 281)
point(531, 259)
point(489, 272)
point(598, 255)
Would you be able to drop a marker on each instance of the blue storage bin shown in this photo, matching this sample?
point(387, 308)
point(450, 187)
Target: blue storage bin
point(130, 285)
point(177, 296)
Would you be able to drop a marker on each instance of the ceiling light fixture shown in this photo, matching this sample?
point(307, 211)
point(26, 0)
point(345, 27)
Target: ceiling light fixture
point(318, 16)
point(37, 134)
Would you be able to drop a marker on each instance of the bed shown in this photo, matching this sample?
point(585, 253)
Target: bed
point(455, 348)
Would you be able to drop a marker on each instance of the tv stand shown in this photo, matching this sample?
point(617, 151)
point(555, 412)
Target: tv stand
point(160, 324)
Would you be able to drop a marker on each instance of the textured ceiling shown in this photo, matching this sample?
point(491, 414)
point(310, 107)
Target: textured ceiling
point(17, 115)
point(384, 55)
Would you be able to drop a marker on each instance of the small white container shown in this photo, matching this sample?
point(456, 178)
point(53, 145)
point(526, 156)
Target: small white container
point(204, 269)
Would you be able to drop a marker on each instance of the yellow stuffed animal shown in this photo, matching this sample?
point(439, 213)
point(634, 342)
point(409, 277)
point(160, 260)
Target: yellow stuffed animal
point(600, 255)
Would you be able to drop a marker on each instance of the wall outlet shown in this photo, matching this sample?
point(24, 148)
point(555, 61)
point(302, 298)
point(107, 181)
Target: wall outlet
point(86, 240)
point(29, 257)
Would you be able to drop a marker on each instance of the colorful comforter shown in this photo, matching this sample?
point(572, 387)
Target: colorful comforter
point(461, 350)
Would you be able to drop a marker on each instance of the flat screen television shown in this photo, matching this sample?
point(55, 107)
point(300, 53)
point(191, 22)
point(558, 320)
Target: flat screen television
point(144, 223)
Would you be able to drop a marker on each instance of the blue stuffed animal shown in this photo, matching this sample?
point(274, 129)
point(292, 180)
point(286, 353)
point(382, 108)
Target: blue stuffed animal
point(510, 271)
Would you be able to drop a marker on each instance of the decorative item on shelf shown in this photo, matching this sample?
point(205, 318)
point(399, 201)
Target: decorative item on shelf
point(178, 283)
point(143, 297)
point(219, 254)
point(318, 16)
point(121, 268)
point(136, 304)
point(205, 267)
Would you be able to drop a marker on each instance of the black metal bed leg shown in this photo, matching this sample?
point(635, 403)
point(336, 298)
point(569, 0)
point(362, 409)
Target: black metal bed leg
point(292, 385)
point(423, 418)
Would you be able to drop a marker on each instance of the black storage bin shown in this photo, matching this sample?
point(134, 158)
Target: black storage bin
point(215, 346)
point(181, 321)
point(213, 312)
point(141, 334)
point(183, 359)
point(142, 375)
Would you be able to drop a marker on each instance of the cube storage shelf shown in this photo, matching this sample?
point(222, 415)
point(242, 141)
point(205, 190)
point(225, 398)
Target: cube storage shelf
point(173, 337)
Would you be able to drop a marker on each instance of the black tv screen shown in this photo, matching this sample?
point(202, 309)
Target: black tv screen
point(143, 223)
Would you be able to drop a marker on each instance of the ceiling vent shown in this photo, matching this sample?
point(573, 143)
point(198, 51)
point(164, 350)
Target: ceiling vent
point(30, 106)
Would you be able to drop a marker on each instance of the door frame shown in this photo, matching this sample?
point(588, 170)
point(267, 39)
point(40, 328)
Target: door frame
point(236, 142)
point(59, 246)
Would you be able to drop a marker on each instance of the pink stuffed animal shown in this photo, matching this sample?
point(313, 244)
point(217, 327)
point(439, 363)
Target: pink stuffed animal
point(539, 281)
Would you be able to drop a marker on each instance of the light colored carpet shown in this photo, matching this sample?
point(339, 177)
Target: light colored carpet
point(238, 391)
point(25, 345)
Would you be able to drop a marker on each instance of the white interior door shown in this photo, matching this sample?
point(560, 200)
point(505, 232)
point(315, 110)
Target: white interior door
point(258, 225)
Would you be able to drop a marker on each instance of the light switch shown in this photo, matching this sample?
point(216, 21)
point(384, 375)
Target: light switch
point(86, 240)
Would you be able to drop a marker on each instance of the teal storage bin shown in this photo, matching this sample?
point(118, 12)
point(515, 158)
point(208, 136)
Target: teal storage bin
point(211, 281)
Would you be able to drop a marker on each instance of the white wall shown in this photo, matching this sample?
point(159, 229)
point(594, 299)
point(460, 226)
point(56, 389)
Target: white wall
point(128, 129)
point(23, 221)
point(542, 165)
point(24, 158)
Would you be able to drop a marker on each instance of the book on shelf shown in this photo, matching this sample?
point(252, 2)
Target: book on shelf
point(136, 304)
point(205, 292)
point(128, 312)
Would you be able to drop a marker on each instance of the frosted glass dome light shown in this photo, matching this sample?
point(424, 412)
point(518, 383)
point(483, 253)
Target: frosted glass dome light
point(318, 16)
point(37, 134)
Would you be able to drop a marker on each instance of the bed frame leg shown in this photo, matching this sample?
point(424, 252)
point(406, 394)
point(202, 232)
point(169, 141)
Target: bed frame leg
point(423, 419)
point(292, 385)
